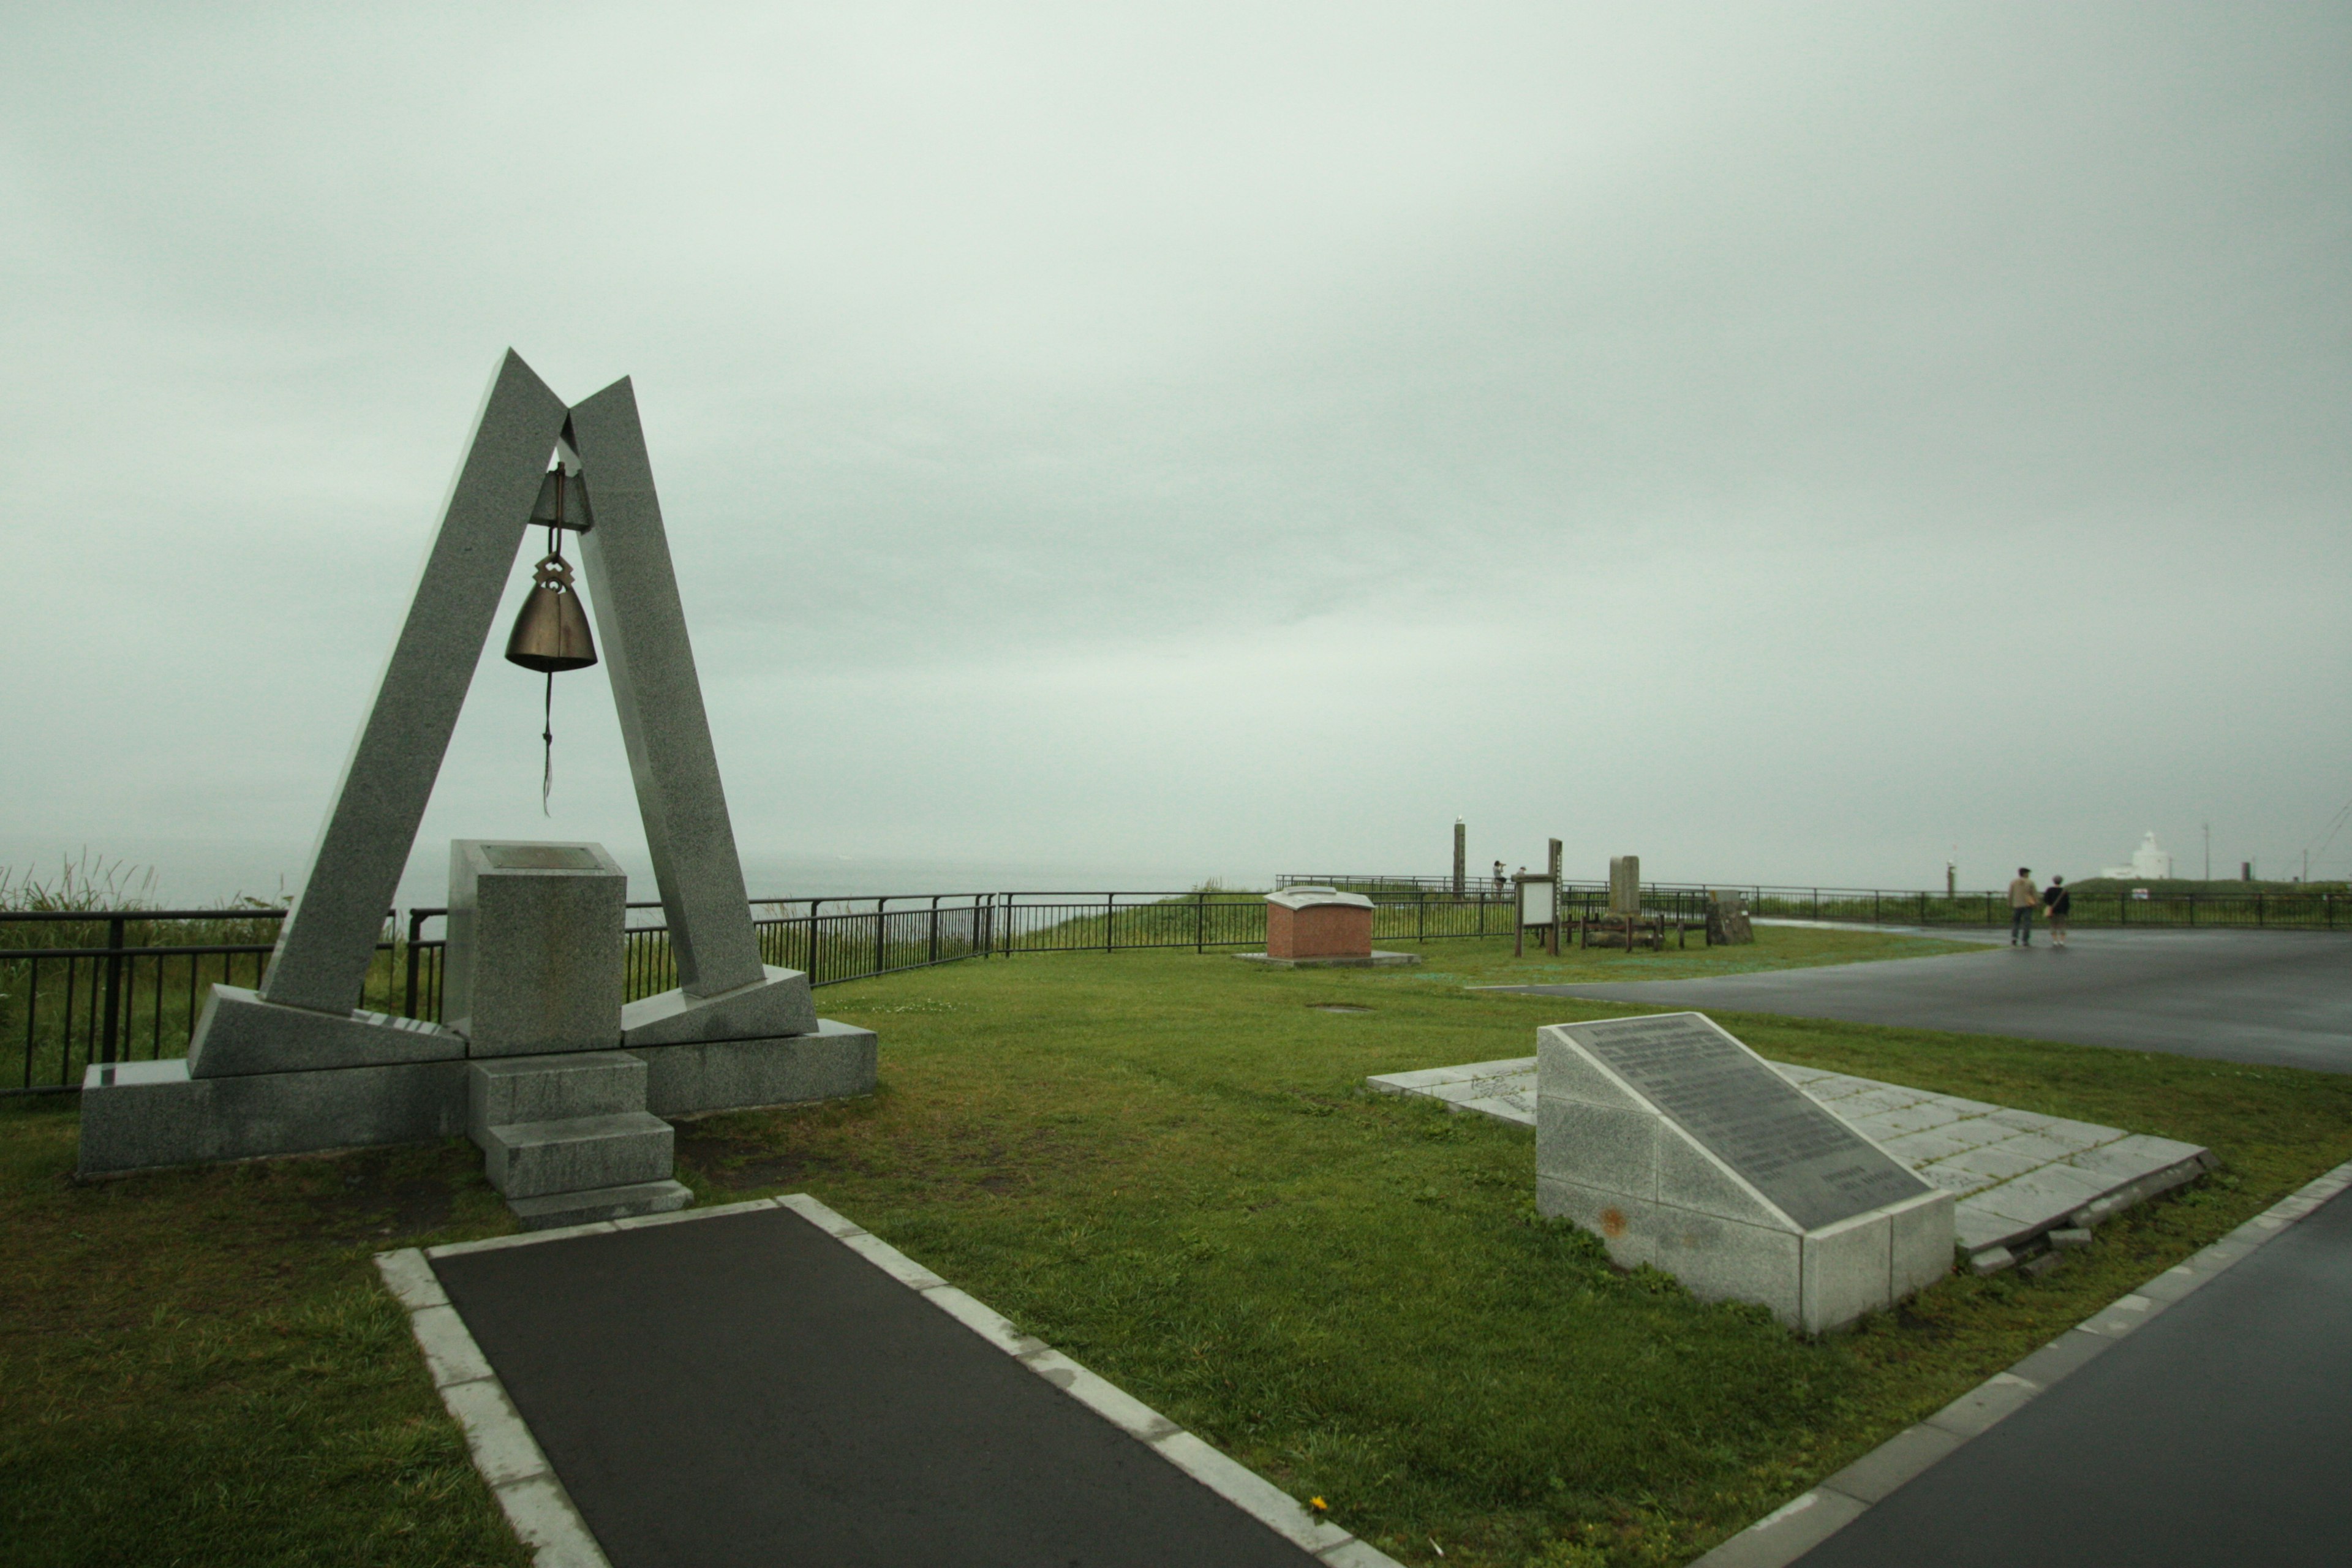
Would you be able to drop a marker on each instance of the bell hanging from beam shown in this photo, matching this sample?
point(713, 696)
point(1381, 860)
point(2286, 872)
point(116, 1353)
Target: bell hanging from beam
point(552, 632)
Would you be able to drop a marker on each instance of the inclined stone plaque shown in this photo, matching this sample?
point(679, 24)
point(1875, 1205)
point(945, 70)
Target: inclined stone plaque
point(1685, 1150)
point(1812, 1166)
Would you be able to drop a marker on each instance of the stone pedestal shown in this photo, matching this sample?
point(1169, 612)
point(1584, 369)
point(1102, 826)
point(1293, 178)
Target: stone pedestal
point(534, 963)
point(1683, 1149)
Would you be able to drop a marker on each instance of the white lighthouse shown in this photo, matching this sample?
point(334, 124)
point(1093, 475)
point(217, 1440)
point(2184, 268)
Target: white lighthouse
point(2148, 863)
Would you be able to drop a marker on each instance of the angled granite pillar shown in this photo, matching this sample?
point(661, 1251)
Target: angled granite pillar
point(641, 627)
point(328, 941)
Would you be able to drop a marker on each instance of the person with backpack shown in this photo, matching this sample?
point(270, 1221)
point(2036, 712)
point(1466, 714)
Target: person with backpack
point(2023, 900)
point(2057, 903)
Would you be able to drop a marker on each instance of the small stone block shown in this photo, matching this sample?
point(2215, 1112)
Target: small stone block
point(987, 1323)
point(450, 1353)
point(2123, 1316)
point(493, 1243)
point(238, 1032)
point(2071, 1235)
point(410, 1278)
point(544, 1517)
point(1249, 1492)
point(833, 1061)
point(1992, 1260)
point(828, 1220)
point(2040, 1263)
point(1787, 1532)
point(774, 1006)
point(533, 1159)
point(503, 1448)
point(1114, 1405)
point(502, 1090)
point(1984, 1406)
point(892, 1261)
point(1892, 1462)
point(632, 1203)
point(2061, 1357)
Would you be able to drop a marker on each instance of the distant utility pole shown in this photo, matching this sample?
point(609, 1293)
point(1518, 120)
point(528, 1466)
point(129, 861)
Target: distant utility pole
point(1461, 855)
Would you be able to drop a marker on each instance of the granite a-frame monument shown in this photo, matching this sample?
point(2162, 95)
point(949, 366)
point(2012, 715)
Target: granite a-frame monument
point(536, 1056)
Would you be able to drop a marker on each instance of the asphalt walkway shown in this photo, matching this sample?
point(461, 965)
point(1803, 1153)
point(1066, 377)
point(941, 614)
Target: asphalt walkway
point(744, 1390)
point(2218, 1433)
point(2272, 998)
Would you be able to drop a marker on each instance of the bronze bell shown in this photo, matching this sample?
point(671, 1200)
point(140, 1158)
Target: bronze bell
point(552, 632)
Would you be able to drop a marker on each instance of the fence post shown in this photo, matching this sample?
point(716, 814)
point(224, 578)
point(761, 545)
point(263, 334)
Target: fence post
point(1110, 926)
point(934, 926)
point(114, 988)
point(1201, 923)
point(415, 924)
point(881, 926)
point(1421, 915)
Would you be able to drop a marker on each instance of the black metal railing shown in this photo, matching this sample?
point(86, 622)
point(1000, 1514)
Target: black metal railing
point(79, 987)
point(2260, 909)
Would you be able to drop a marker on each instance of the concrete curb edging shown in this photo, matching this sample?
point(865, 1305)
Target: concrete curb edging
point(544, 1516)
point(508, 1456)
point(1795, 1527)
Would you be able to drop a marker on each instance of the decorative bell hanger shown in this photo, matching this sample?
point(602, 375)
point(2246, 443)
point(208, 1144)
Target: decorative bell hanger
point(550, 633)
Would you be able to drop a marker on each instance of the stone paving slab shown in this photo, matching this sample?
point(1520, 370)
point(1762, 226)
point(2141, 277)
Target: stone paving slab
point(2017, 1173)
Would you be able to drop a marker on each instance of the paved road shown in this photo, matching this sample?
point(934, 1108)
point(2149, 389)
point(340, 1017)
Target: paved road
point(744, 1391)
point(2221, 1434)
point(2277, 998)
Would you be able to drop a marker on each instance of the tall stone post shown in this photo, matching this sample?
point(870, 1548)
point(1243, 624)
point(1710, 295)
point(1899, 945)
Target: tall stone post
point(1625, 885)
point(1461, 857)
point(1554, 865)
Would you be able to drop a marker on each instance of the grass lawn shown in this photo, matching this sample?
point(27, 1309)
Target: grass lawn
point(1162, 1163)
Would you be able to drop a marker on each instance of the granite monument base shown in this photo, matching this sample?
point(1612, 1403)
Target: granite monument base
point(138, 1116)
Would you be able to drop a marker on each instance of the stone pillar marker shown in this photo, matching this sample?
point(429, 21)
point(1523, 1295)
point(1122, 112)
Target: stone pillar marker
point(1461, 858)
point(1625, 885)
point(1552, 863)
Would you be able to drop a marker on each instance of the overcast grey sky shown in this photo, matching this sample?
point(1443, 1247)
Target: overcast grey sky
point(1792, 443)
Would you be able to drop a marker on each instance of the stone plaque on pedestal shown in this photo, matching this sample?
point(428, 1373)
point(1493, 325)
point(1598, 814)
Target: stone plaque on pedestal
point(1685, 1150)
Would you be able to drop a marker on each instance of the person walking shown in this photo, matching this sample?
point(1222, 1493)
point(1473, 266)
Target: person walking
point(2023, 900)
point(2057, 903)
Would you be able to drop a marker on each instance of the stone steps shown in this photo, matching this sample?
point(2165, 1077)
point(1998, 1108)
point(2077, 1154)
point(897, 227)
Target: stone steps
point(593, 1204)
point(511, 1089)
point(533, 1159)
